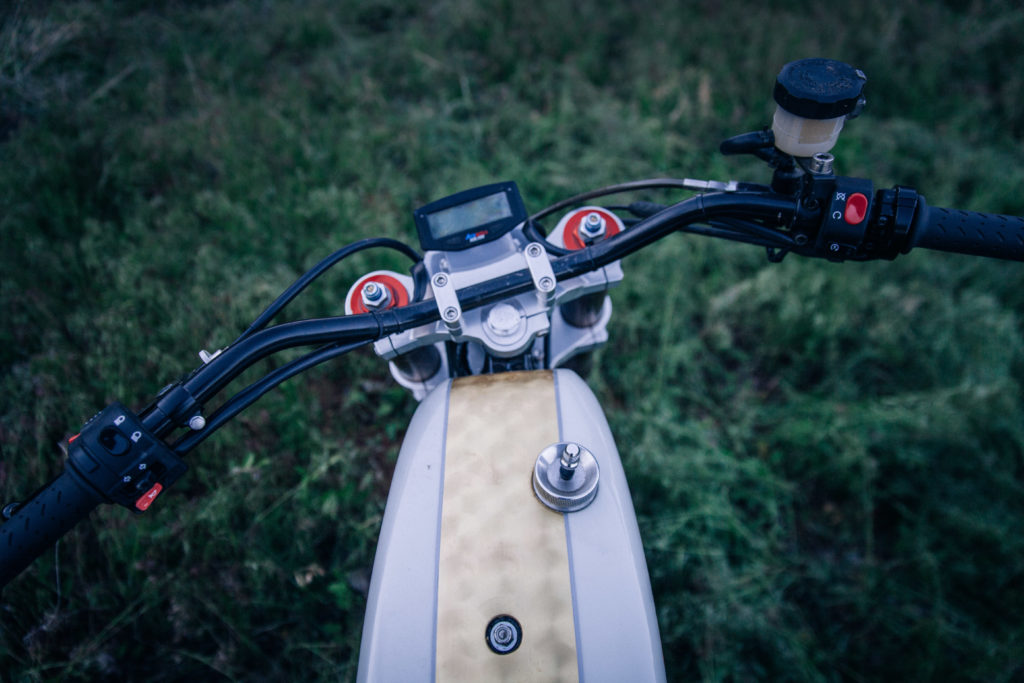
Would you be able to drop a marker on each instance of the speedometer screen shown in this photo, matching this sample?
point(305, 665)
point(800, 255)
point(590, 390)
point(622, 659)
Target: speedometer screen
point(466, 216)
point(470, 218)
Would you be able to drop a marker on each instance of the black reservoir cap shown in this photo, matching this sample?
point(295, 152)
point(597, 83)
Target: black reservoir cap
point(819, 88)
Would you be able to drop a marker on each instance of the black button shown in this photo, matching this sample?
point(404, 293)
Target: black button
point(115, 441)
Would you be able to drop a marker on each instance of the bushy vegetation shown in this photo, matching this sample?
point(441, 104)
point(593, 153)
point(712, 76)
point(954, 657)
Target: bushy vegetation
point(827, 460)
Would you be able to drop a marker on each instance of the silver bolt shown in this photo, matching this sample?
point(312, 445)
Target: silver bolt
point(504, 320)
point(440, 280)
point(450, 314)
point(372, 291)
point(533, 251)
point(196, 422)
point(546, 284)
point(375, 295)
point(570, 460)
point(592, 227)
point(821, 163)
point(502, 634)
point(834, 246)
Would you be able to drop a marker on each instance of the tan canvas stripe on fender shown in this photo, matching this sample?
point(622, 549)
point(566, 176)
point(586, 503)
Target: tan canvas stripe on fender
point(501, 550)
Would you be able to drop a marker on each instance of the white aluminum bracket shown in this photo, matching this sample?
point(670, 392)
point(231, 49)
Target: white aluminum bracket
point(541, 272)
point(447, 302)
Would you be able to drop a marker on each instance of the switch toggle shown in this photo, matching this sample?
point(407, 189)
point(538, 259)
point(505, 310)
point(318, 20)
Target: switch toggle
point(856, 209)
point(148, 497)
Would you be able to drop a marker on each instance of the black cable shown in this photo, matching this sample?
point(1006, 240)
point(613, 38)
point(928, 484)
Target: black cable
point(747, 232)
point(532, 230)
point(778, 209)
point(212, 377)
point(711, 230)
point(205, 381)
point(246, 397)
point(700, 209)
point(754, 229)
point(316, 271)
point(650, 183)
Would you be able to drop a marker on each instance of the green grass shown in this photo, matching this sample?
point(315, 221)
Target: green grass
point(827, 460)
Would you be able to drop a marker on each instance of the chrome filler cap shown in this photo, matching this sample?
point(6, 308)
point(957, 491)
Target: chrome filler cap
point(565, 477)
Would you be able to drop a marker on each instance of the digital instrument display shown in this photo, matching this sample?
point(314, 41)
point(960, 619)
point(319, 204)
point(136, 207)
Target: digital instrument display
point(447, 222)
point(470, 217)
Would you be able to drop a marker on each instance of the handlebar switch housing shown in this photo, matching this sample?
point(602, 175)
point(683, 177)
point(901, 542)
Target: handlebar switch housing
point(116, 455)
point(846, 213)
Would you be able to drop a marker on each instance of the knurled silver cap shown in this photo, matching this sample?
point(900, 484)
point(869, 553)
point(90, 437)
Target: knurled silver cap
point(558, 491)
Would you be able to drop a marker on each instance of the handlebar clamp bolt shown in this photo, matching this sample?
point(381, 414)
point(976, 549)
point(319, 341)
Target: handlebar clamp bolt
point(592, 227)
point(375, 295)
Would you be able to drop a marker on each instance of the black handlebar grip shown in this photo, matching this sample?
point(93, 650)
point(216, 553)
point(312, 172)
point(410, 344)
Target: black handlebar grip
point(968, 232)
point(41, 520)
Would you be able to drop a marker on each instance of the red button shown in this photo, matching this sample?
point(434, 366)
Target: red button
point(856, 208)
point(149, 496)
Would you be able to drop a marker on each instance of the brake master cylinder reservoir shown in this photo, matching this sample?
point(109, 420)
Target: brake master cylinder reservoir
point(814, 98)
point(384, 289)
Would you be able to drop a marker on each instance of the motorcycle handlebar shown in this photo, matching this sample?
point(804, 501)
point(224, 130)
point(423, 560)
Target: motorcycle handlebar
point(901, 220)
point(40, 521)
